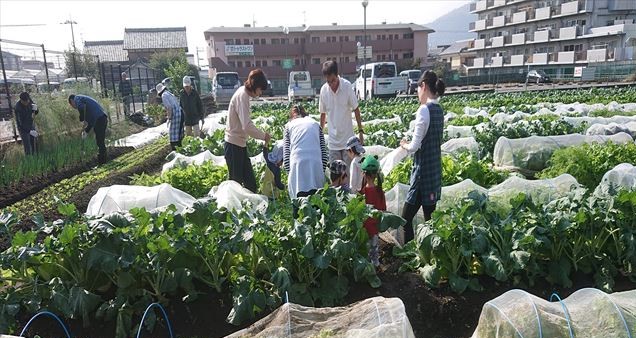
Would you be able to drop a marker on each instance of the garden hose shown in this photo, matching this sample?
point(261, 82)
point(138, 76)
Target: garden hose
point(42, 313)
point(165, 316)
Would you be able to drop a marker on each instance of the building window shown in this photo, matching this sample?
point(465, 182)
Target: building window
point(390, 36)
point(315, 61)
point(377, 58)
point(346, 59)
point(264, 63)
point(231, 64)
point(256, 41)
point(284, 41)
point(395, 37)
point(315, 39)
point(407, 55)
point(275, 41)
point(358, 38)
point(296, 40)
point(297, 62)
point(344, 38)
point(378, 37)
point(396, 57)
point(239, 64)
point(276, 62)
point(246, 41)
point(383, 57)
point(383, 37)
point(229, 41)
point(262, 41)
point(258, 63)
point(238, 41)
point(302, 40)
point(407, 36)
point(248, 64)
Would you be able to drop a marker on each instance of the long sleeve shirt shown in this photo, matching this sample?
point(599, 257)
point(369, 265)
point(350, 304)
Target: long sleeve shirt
point(24, 116)
point(422, 122)
point(239, 122)
point(89, 109)
point(192, 107)
point(125, 88)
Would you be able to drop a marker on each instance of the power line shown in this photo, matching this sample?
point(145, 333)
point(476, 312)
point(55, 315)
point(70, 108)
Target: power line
point(25, 25)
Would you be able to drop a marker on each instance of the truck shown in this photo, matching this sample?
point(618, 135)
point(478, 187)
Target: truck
point(300, 86)
point(382, 80)
point(224, 85)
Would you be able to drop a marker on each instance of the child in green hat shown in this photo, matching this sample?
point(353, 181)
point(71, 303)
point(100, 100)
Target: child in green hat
point(373, 195)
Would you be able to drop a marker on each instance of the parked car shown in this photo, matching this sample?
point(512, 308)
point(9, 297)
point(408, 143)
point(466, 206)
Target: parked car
point(537, 76)
point(300, 86)
point(412, 75)
point(224, 85)
point(382, 80)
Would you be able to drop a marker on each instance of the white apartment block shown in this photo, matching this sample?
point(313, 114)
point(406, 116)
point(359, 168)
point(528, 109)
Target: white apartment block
point(560, 34)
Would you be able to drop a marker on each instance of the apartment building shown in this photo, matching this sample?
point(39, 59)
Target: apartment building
point(551, 34)
point(278, 50)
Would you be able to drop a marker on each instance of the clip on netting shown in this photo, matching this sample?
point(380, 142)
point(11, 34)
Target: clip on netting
point(565, 311)
point(165, 316)
point(42, 313)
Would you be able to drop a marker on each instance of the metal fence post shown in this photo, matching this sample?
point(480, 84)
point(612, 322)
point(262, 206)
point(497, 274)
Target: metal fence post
point(46, 69)
point(141, 94)
point(112, 81)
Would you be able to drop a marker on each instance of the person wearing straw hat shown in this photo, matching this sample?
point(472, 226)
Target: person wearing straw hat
point(192, 107)
point(174, 114)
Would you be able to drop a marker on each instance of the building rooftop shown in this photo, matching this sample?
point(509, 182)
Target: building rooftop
point(108, 51)
point(300, 29)
point(155, 38)
point(456, 48)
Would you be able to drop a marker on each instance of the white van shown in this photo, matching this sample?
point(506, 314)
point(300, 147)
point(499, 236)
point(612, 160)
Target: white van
point(300, 86)
point(382, 80)
point(224, 85)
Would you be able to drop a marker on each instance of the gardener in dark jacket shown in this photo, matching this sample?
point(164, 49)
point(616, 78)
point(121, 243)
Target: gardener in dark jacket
point(93, 116)
point(125, 89)
point(25, 110)
point(192, 108)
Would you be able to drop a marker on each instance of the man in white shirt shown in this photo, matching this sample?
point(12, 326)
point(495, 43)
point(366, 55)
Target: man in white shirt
point(337, 101)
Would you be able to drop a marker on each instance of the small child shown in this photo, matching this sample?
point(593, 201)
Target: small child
point(271, 180)
point(373, 195)
point(338, 175)
point(356, 152)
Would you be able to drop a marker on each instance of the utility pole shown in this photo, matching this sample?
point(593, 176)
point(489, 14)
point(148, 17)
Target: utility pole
point(71, 22)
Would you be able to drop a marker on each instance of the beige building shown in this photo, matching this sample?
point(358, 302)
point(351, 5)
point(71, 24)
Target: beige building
point(552, 34)
point(458, 55)
point(242, 49)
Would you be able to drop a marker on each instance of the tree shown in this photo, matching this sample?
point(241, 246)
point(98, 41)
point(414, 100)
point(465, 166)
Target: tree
point(173, 64)
point(85, 65)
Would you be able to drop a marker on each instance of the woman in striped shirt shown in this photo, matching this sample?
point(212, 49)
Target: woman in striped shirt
point(305, 154)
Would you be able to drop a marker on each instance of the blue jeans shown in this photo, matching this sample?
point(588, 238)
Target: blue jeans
point(28, 142)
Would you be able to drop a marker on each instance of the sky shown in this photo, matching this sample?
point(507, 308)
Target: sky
point(106, 20)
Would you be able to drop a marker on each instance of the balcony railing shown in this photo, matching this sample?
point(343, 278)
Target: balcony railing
point(471, 26)
point(473, 6)
point(580, 56)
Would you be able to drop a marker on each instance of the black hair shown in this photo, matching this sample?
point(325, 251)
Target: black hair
point(335, 176)
point(299, 110)
point(24, 96)
point(330, 68)
point(256, 79)
point(378, 181)
point(434, 84)
point(71, 98)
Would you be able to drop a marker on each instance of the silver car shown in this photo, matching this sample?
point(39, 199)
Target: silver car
point(224, 85)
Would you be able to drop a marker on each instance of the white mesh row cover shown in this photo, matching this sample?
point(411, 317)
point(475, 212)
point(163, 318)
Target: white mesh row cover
point(376, 317)
point(393, 120)
point(180, 160)
point(612, 128)
point(531, 154)
point(463, 131)
point(121, 198)
point(142, 138)
point(622, 176)
point(379, 151)
point(456, 145)
point(577, 121)
point(509, 118)
point(231, 195)
point(587, 313)
point(454, 193)
point(212, 122)
point(388, 162)
point(541, 191)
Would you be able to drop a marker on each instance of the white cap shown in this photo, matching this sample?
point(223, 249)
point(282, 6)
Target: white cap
point(187, 81)
point(160, 87)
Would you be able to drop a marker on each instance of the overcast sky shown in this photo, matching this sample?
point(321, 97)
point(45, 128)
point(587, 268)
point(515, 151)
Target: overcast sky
point(106, 20)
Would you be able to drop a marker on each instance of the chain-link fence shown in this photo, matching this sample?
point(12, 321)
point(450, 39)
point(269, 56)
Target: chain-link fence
point(616, 71)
